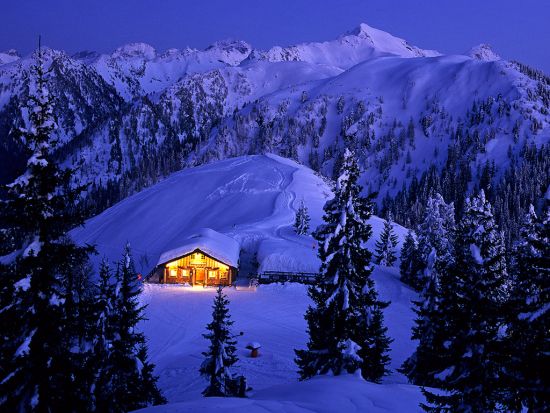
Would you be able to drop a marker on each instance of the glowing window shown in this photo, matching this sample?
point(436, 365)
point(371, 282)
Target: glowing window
point(185, 273)
point(211, 274)
point(173, 272)
point(198, 258)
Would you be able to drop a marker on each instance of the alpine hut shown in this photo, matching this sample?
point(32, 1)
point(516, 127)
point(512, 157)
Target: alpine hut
point(205, 258)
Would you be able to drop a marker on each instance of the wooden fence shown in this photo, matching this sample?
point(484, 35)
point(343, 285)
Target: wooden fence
point(269, 277)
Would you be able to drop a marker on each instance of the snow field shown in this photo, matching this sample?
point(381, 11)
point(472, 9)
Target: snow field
point(273, 316)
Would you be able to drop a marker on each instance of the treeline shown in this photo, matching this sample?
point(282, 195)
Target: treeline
point(524, 183)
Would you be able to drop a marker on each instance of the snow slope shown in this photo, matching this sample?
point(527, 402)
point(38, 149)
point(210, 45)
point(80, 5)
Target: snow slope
point(246, 198)
point(252, 199)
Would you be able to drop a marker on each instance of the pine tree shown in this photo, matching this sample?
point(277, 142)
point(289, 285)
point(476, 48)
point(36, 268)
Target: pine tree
point(78, 333)
point(221, 356)
point(345, 322)
point(410, 261)
point(530, 315)
point(435, 258)
point(41, 370)
point(385, 246)
point(103, 336)
point(131, 383)
point(434, 236)
point(474, 300)
point(430, 327)
point(301, 223)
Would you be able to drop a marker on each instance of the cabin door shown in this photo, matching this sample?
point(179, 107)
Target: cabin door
point(199, 275)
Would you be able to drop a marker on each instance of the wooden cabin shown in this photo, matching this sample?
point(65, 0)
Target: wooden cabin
point(206, 258)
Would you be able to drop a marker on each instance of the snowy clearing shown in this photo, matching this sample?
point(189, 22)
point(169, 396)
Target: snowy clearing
point(273, 316)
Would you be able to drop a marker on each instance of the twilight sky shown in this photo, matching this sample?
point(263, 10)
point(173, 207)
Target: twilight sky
point(517, 29)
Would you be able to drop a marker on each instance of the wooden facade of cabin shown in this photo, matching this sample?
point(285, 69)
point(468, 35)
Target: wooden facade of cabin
point(196, 268)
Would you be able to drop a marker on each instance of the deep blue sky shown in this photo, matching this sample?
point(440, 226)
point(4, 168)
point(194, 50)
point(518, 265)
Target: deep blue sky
point(518, 29)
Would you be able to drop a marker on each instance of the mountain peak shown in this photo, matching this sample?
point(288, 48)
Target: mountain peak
point(483, 52)
point(130, 50)
point(230, 44)
point(363, 31)
point(385, 42)
point(230, 51)
point(9, 56)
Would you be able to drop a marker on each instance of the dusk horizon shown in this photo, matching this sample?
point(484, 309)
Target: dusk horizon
point(515, 33)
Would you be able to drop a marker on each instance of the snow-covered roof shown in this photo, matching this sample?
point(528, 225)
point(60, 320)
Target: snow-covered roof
point(217, 245)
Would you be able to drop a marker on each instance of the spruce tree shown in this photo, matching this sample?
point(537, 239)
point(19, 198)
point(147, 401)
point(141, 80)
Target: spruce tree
point(103, 336)
point(436, 257)
point(430, 327)
point(78, 333)
point(345, 322)
point(434, 236)
point(530, 316)
point(474, 300)
point(301, 223)
point(221, 356)
point(42, 371)
point(410, 261)
point(131, 384)
point(385, 246)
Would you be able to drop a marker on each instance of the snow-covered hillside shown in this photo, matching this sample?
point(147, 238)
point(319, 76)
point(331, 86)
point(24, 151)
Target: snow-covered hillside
point(137, 69)
point(252, 199)
point(136, 115)
point(399, 114)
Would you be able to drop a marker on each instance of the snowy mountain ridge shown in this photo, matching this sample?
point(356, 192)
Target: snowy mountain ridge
point(131, 117)
point(362, 43)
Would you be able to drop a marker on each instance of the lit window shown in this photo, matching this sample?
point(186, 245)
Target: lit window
point(185, 273)
point(173, 272)
point(211, 274)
